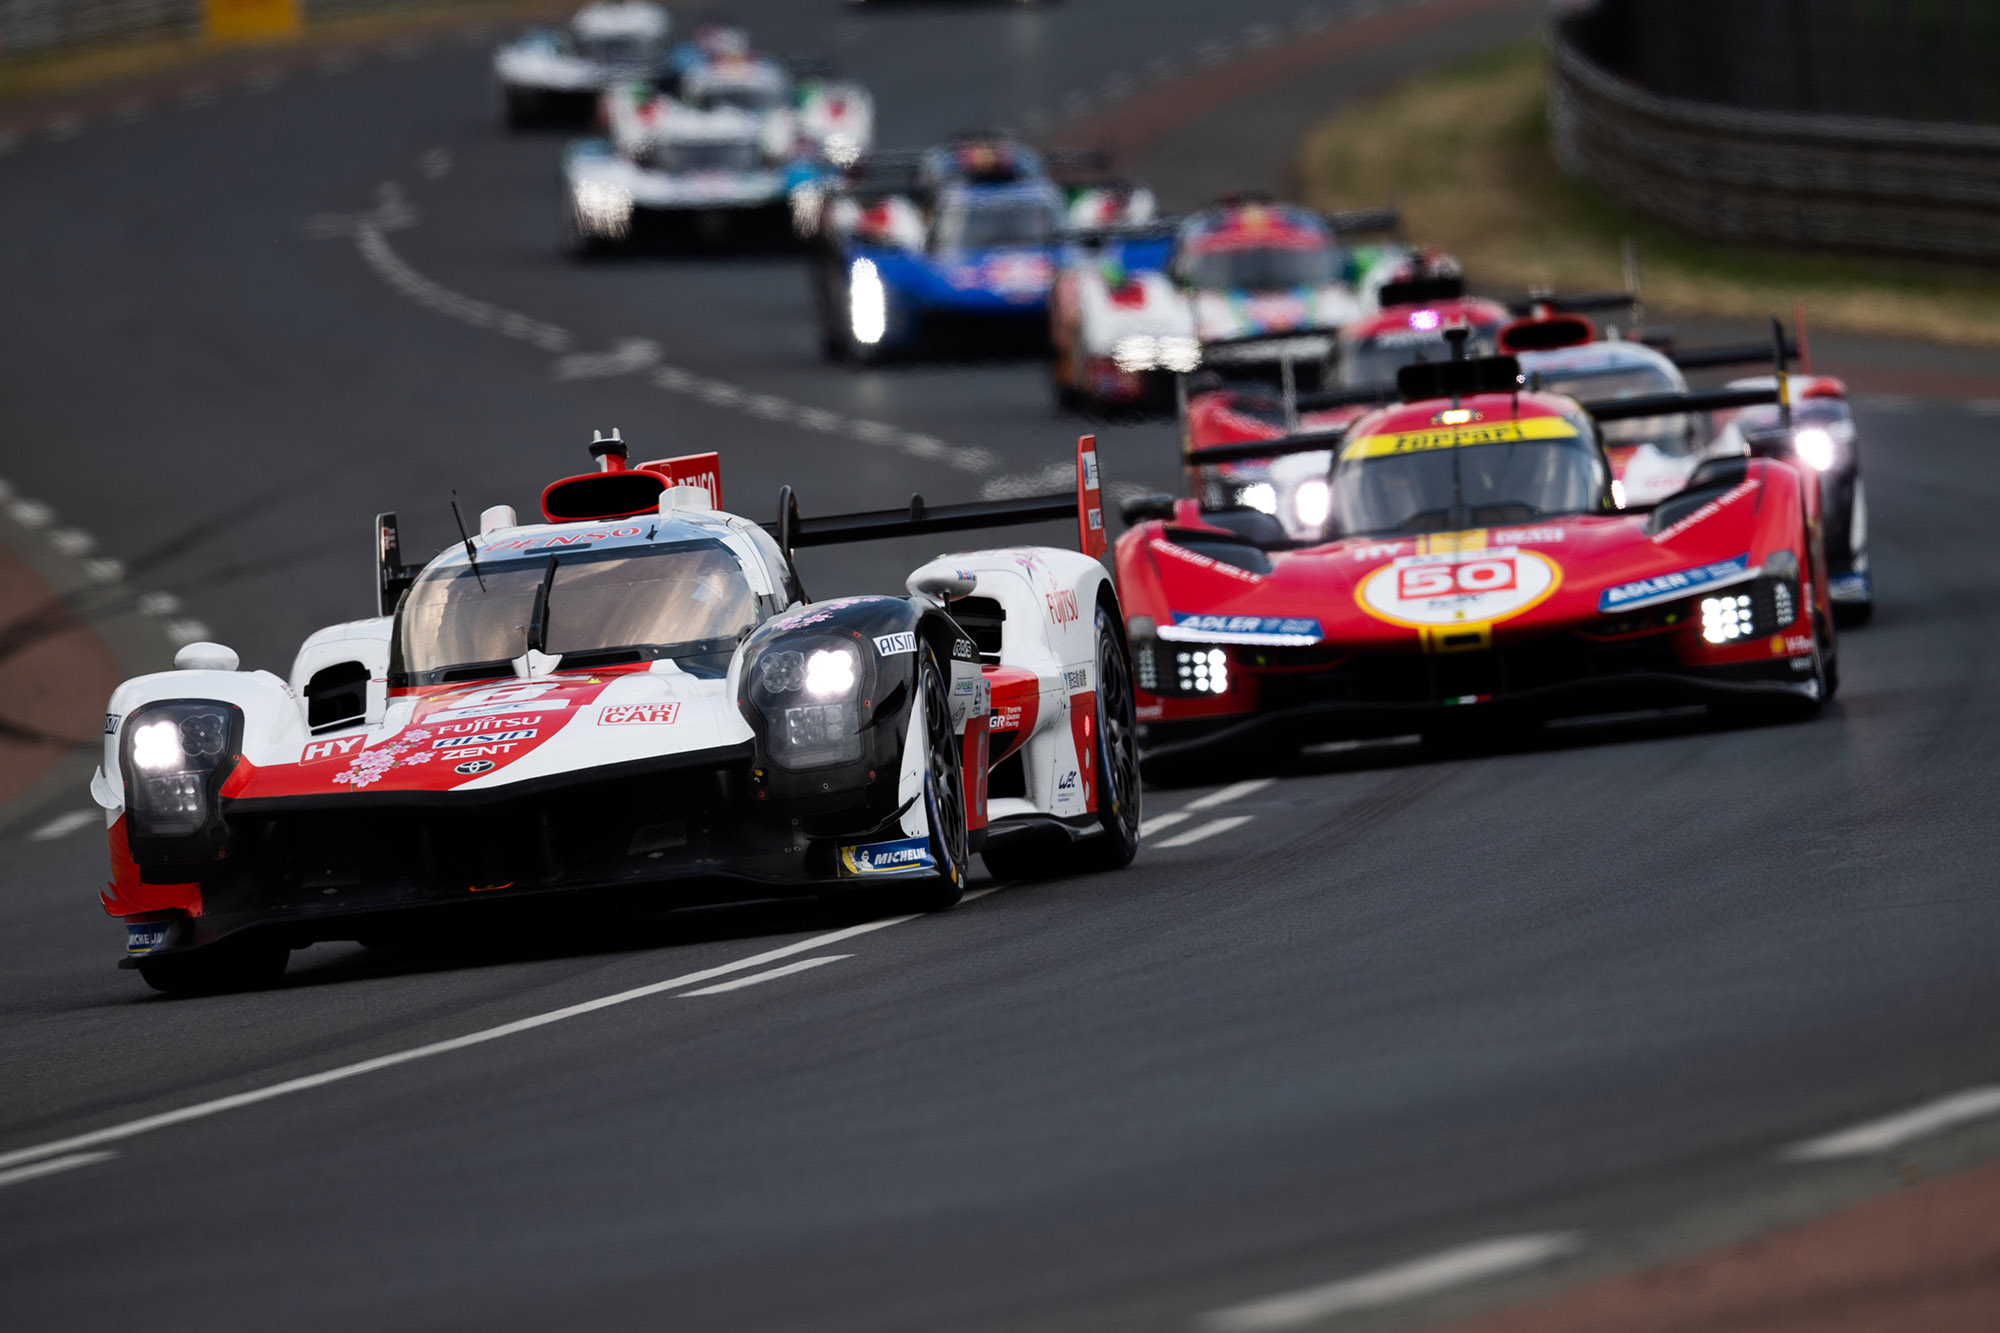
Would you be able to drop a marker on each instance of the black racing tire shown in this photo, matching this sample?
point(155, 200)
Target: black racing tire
point(581, 245)
point(944, 793)
point(519, 110)
point(233, 965)
point(1115, 732)
point(1853, 615)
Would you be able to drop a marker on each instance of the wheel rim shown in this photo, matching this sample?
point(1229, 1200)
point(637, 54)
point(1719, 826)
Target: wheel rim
point(946, 781)
point(1117, 730)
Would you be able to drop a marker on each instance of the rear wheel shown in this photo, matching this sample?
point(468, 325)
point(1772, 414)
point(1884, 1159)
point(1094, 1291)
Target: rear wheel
point(233, 965)
point(1115, 754)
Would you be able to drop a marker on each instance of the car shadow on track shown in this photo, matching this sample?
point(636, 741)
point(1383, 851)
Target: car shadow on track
point(1221, 767)
point(547, 939)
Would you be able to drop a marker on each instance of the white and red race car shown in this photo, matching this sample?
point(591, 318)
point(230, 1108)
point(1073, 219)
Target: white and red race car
point(632, 705)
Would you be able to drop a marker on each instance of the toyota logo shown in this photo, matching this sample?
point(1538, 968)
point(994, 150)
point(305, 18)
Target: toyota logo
point(472, 766)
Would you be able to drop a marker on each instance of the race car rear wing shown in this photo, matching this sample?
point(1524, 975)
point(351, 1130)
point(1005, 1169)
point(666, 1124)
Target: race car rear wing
point(1669, 404)
point(918, 518)
point(1306, 442)
point(1352, 221)
point(1576, 303)
point(1617, 409)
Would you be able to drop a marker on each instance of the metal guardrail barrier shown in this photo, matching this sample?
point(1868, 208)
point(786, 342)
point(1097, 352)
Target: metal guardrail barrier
point(1848, 182)
point(30, 26)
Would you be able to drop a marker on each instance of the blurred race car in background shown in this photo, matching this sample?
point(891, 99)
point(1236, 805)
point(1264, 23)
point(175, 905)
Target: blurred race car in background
point(1248, 284)
point(1474, 571)
point(631, 704)
point(555, 75)
point(723, 144)
point(1821, 435)
point(957, 244)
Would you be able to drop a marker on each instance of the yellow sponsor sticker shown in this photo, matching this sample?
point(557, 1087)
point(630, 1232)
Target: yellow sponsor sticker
point(1459, 437)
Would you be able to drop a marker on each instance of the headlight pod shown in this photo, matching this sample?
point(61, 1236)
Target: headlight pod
point(174, 759)
point(867, 303)
point(809, 692)
point(1143, 351)
point(603, 209)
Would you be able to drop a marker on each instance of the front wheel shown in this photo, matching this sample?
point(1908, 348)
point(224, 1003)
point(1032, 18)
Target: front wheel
point(944, 812)
point(233, 965)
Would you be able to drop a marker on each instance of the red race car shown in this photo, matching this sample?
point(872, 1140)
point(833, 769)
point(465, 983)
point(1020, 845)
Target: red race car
point(1473, 567)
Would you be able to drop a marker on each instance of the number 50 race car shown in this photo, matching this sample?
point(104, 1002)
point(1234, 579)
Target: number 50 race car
point(632, 703)
point(1473, 569)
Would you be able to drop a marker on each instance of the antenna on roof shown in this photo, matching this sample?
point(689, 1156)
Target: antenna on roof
point(606, 448)
point(471, 556)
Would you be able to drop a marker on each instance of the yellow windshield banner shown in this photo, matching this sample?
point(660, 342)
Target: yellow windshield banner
point(1459, 437)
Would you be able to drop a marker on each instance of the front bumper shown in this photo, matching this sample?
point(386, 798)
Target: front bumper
point(364, 865)
point(1364, 696)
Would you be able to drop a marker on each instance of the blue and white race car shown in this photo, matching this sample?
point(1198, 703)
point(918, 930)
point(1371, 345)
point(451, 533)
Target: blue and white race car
point(555, 75)
point(917, 250)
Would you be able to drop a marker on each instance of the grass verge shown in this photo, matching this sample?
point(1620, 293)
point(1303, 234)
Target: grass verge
point(37, 75)
point(1466, 149)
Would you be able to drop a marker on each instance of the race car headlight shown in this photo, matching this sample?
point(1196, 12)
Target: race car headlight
point(809, 694)
point(603, 209)
point(1203, 670)
point(842, 149)
point(1312, 502)
point(176, 755)
point(1259, 495)
point(867, 303)
point(1815, 447)
point(1137, 352)
point(1180, 355)
point(1727, 618)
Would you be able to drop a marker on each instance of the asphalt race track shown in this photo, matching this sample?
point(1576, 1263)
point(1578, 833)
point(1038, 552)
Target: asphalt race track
point(1374, 1007)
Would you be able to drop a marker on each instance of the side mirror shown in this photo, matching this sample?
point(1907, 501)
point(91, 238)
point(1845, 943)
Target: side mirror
point(942, 582)
point(1140, 508)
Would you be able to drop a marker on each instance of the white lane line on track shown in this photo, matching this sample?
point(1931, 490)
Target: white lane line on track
point(74, 543)
point(1985, 407)
point(1396, 1284)
point(1235, 791)
point(236, 1101)
point(64, 825)
point(759, 978)
point(628, 356)
point(1208, 830)
point(1893, 1131)
point(1151, 824)
point(52, 1166)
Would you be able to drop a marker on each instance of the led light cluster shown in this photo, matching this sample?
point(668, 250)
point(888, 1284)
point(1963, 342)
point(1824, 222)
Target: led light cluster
point(1149, 672)
point(1726, 619)
point(1204, 671)
point(1781, 603)
point(1143, 351)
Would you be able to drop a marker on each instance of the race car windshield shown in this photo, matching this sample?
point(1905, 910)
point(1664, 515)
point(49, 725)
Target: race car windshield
point(619, 50)
point(737, 99)
point(1376, 361)
point(687, 600)
point(697, 155)
point(1517, 482)
point(1264, 269)
point(980, 226)
point(1671, 434)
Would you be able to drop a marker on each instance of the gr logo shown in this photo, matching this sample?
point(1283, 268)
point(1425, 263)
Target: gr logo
point(472, 766)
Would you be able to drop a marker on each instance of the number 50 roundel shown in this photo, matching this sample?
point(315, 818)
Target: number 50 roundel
point(1460, 587)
